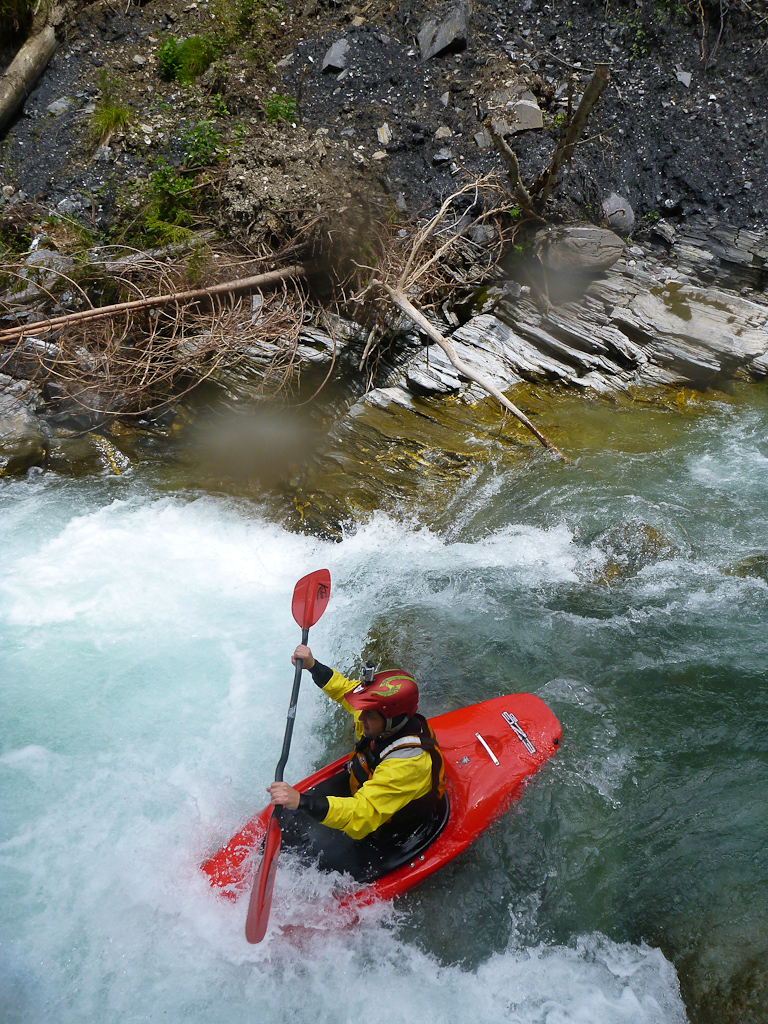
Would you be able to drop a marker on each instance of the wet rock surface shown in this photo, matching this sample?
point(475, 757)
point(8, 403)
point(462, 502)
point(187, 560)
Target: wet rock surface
point(23, 437)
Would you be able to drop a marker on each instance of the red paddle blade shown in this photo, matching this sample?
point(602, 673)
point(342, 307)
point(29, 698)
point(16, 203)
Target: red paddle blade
point(261, 895)
point(310, 597)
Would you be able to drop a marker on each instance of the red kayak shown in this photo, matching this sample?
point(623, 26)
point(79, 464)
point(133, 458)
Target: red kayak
point(490, 750)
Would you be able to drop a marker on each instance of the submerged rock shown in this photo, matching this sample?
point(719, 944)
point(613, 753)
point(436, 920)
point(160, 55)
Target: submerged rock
point(754, 565)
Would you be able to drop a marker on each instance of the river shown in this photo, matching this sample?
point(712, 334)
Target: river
point(145, 638)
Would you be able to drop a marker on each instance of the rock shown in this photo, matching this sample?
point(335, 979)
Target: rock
point(702, 333)
point(442, 156)
point(23, 441)
point(61, 106)
point(733, 257)
point(81, 408)
point(444, 30)
point(384, 135)
point(684, 77)
point(618, 213)
point(443, 132)
point(515, 110)
point(664, 230)
point(482, 234)
point(585, 249)
point(527, 116)
point(335, 59)
point(45, 267)
point(30, 359)
point(70, 206)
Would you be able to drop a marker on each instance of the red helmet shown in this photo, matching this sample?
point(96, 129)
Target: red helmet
point(391, 693)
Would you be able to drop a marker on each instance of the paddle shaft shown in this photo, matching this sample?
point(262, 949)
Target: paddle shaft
point(291, 712)
point(310, 597)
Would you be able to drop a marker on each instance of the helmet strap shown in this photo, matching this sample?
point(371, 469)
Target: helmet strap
point(390, 728)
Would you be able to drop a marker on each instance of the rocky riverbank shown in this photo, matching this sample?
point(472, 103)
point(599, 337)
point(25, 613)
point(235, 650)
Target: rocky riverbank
point(333, 112)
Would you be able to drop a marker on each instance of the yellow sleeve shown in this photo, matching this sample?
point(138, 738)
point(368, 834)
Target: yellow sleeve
point(396, 782)
point(337, 687)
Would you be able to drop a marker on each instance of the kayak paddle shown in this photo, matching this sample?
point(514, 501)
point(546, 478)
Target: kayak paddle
point(310, 598)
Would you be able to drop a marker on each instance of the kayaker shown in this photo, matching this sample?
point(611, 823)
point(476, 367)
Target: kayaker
point(390, 802)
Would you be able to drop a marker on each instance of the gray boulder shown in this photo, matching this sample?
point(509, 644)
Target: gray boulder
point(582, 249)
point(23, 441)
point(618, 214)
point(444, 30)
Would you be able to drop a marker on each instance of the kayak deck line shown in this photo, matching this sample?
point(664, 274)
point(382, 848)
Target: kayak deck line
point(490, 752)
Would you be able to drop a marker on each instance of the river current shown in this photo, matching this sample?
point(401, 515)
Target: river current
point(145, 639)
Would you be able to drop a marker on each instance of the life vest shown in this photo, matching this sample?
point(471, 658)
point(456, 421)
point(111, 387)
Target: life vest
point(415, 735)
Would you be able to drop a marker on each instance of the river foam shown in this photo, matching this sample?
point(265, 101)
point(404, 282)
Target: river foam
point(145, 648)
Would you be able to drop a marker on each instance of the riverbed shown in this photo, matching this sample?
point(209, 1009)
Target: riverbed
point(145, 637)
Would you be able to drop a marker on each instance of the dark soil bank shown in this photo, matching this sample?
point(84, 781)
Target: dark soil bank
point(682, 127)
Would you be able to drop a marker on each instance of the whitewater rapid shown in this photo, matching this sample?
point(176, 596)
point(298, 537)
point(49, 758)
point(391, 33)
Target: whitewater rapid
point(145, 647)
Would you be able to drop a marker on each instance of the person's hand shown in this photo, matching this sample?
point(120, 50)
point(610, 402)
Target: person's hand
point(283, 795)
point(303, 652)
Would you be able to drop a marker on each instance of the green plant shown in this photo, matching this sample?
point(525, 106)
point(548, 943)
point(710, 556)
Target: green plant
point(218, 105)
point(201, 144)
point(251, 26)
point(184, 61)
point(280, 108)
point(110, 113)
point(170, 197)
point(247, 19)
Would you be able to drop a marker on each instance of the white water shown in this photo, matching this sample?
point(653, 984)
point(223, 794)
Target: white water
point(144, 658)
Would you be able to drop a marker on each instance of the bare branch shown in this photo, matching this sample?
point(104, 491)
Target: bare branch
point(118, 308)
point(407, 307)
point(545, 182)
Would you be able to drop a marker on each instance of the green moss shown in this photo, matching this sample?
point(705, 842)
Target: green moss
point(674, 300)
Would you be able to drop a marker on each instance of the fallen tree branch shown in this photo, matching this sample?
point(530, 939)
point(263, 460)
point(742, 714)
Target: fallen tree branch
point(179, 298)
point(407, 307)
point(26, 67)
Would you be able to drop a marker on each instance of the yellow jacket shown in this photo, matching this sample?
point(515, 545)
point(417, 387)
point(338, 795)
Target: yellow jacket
point(396, 781)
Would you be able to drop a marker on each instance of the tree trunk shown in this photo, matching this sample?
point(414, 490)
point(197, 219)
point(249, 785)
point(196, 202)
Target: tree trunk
point(25, 69)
